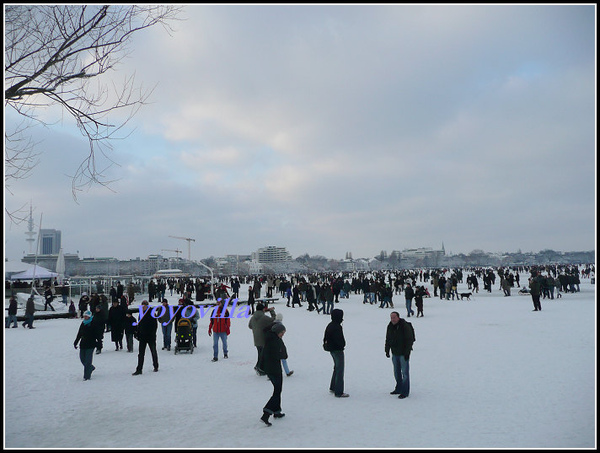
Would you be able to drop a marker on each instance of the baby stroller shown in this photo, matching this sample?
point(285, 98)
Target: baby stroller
point(184, 336)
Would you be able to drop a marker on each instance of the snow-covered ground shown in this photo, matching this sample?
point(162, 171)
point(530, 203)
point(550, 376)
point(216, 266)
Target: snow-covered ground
point(485, 373)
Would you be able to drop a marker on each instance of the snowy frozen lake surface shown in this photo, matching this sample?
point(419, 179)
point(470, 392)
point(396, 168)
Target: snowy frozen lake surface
point(485, 373)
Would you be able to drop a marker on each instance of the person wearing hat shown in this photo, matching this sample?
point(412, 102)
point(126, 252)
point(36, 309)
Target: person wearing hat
point(258, 321)
point(284, 364)
point(87, 336)
point(12, 313)
point(334, 342)
point(273, 353)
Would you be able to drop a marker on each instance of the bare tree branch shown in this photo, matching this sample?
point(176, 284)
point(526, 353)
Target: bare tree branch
point(52, 53)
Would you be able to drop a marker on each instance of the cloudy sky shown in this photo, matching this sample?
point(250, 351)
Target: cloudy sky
point(334, 129)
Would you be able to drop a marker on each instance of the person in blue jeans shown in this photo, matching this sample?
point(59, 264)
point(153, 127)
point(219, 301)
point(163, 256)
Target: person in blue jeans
point(12, 313)
point(326, 296)
point(218, 328)
point(166, 325)
point(409, 293)
point(87, 336)
point(29, 311)
point(284, 364)
point(399, 342)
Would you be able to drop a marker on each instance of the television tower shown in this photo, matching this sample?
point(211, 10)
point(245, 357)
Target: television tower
point(30, 233)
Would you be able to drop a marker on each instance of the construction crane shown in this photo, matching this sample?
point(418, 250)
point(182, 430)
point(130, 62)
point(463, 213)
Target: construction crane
point(189, 241)
point(177, 251)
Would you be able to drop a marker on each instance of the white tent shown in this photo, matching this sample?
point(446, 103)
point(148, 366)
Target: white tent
point(36, 271)
point(14, 267)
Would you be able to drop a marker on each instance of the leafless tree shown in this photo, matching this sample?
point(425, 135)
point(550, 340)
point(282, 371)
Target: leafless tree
point(52, 54)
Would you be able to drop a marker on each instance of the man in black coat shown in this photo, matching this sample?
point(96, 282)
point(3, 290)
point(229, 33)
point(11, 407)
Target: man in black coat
point(29, 311)
point(535, 289)
point(146, 328)
point(334, 342)
point(399, 340)
point(116, 320)
point(48, 298)
point(409, 293)
point(98, 323)
point(83, 304)
point(130, 327)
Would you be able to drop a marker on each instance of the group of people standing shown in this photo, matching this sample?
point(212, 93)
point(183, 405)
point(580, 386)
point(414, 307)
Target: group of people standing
point(268, 332)
point(117, 320)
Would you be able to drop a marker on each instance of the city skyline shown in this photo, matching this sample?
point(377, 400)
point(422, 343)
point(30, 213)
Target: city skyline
point(279, 251)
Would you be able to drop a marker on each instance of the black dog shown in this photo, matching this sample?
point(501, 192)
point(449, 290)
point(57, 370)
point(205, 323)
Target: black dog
point(467, 295)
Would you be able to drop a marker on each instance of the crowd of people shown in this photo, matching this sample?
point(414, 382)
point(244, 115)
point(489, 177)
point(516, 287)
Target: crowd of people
point(320, 293)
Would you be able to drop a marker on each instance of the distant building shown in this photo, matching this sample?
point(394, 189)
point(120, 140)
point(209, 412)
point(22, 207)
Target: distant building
point(423, 256)
point(254, 267)
point(271, 254)
point(50, 242)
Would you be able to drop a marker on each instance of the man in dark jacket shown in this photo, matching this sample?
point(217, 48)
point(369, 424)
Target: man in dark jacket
point(334, 342)
point(130, 327)
point(116, 319)
point(399, 341)
point(146, 328)
point(98, 323)
point(273, 353)
point(29, 311)
point(535, 288)
point(12, 313)
point(83, 303)
point(48, 298)
point(257, 323)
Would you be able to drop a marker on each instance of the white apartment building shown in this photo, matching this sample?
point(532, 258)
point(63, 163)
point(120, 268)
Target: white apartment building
point(271, 254)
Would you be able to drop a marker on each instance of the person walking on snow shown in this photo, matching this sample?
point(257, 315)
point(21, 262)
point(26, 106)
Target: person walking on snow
point(409, 293)
point(87, 336)
point(284, 364)
point(29, 311)
point(12, 313)
point(273, 353)
point(258, 321)
point(334, 342)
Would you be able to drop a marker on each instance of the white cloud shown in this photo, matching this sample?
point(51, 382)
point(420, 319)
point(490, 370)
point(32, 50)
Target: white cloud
point(347, 128)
